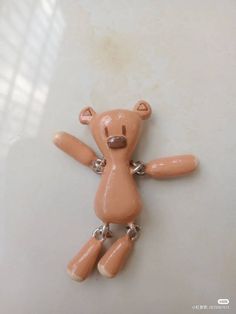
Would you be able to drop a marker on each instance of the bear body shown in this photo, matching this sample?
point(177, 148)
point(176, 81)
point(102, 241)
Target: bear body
point(116, 133)
point(120, 202)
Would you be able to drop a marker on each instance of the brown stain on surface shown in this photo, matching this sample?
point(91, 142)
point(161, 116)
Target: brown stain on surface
point(114, 52)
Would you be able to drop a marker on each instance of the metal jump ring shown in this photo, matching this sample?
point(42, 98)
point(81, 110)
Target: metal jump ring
point(133, 231)
point(98, 165)
point(102, 232)
point(139, 167)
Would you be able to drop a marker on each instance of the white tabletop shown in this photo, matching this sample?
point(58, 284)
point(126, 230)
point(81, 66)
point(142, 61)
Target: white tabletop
point(57, 56)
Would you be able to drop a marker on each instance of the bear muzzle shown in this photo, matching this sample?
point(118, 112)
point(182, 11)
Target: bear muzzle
point(117, 142)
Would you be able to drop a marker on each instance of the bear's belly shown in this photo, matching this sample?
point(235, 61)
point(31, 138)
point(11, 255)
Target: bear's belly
point(117, 199)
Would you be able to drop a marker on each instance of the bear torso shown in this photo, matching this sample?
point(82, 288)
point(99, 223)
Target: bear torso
point(117, 199)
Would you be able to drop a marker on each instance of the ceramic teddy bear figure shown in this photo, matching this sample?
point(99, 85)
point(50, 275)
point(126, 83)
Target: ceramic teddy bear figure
point(117, 201)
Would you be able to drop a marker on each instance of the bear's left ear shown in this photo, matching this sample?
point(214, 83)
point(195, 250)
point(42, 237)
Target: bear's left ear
point(86, 115)
point(143, 109)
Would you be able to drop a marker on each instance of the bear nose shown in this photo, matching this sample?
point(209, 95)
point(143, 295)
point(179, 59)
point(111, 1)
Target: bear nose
point(117, 141)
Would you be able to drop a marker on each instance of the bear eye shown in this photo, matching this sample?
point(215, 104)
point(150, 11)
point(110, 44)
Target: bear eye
point(106, 132)
point(123, 129)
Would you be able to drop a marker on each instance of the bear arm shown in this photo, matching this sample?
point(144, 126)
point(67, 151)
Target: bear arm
point(170, 167)
point(75, 148)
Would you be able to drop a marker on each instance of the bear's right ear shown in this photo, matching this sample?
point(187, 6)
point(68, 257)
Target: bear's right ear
point(86, 115)
point(143, 109)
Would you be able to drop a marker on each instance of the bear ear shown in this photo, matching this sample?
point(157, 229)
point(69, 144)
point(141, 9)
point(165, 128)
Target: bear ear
point(143, 109)
point(86, 115)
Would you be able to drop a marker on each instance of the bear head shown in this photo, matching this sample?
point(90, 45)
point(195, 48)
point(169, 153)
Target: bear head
point(116, 132)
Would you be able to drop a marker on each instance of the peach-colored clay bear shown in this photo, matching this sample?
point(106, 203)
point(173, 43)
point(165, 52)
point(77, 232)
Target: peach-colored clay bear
point(117, 200)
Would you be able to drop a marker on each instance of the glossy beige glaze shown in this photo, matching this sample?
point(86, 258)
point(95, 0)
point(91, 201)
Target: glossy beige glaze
point(169, 167)
point(75, 148)
point(82, 264)
point(114, 259)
